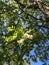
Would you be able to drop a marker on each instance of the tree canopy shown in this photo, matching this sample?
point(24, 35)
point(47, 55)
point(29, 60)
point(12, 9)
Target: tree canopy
point(24, 26)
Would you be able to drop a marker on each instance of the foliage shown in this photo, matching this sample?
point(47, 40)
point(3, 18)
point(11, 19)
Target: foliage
point(23, 27)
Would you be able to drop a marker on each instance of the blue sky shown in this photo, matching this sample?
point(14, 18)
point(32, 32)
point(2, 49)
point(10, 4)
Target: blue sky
point(35, 63)
point(38, 63)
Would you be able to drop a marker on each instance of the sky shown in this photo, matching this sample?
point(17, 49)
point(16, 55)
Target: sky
point(39, 62)
point(35, 63)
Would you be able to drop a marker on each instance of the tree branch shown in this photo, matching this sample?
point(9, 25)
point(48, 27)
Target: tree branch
point(38, 5)
point(42, 7)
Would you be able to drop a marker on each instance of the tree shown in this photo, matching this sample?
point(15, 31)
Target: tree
point(24, 25)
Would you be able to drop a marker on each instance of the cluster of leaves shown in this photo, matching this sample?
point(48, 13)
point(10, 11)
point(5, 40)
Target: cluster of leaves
point(20, 30)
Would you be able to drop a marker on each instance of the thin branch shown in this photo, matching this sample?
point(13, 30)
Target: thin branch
point(38, 5)
point(22, 5)
point(40, 26)
point(42, 7)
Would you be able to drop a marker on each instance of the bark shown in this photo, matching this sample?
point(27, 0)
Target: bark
point(42, 7)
